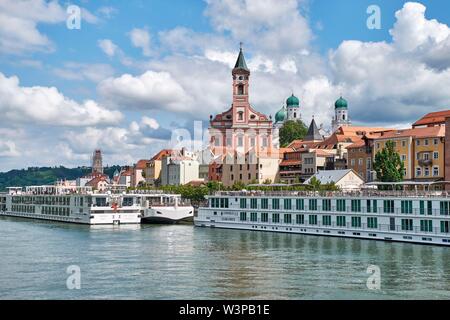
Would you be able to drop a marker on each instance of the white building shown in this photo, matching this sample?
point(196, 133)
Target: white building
point(179, 168)
point(344, 179)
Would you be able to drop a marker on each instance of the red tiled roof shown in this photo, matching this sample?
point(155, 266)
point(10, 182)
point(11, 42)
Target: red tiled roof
point(142, 164)
point(94, 182)
point(161, 154)
point(426, 132)
point(290, 162)
point(433, 118)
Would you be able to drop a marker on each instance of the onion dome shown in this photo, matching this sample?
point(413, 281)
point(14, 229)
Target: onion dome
point(281, 115)
point(341, 103)
point(292, 101)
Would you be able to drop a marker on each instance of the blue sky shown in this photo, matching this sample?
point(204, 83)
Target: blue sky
point(137, 70)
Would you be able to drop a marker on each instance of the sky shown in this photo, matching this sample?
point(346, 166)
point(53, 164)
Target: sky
point(135, 72)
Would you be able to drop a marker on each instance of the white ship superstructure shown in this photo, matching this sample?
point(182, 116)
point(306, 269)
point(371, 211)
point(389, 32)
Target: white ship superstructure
point(70, 204)
point(165, 208)
point(419, 217)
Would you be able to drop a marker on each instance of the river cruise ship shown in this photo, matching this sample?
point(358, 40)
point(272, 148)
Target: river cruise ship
point(408, 216)
point(71, 204)
point(160, 207)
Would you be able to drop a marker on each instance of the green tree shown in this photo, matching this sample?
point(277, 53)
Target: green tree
point(292, 130)
point(388, 165)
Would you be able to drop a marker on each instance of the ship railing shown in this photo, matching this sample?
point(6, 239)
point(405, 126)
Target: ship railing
point(337, 194)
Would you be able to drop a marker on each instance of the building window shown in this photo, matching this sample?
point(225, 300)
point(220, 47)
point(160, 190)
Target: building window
point(276, 218)
point(313, 219)
point(252, 141)
point(445, 208)
point(300, 204)
point(435, 171)
point(356, 205)
point(360, 161)
point(403, 157)
point(407, 224)
point(436, 141)
point(426, 172)
point(426, 156)
point(340, 221)
point(352, 162)
point(388, 206)
point(418, 172)
point(264, 203)
point(240, 141)
point(340, 205)
point(276, 204)
point(326, 204)
point(243, 203)
point(240, 89)
point(287, 204)
point(417, 142)
point(368, 163)
point(326, 220)
point(403, 143)
point(313, 204)
point(300, 219)
point(445, 226)
point(253, 203)
point(372, 223)
point(406, 206)
point(287, 218)
point(356, 222)
point(426, 225)
point(243, 216)
point(264, 217)
point(436, 155)
point(426, 142)
point(253, 217)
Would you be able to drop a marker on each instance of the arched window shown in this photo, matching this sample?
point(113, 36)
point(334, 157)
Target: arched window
point(241, 89)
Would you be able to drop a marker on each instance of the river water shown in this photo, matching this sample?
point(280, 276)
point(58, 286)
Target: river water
point(185, 262)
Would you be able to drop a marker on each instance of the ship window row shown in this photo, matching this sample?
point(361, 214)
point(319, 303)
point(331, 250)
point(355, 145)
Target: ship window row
point(56, 200)
point(23, 208)
point(426, 225)
point(342, 205)
point(56, 211)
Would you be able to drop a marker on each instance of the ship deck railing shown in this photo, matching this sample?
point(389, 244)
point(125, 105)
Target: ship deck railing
point(337, 194)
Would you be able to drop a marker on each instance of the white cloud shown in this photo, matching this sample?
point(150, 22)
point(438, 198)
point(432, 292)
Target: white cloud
point(140, 38)
point(19, 33)
point(149, 91)
point(8, 149)
point(84, 71)
point(107, 11)
point(46, 105)
point(108, 47)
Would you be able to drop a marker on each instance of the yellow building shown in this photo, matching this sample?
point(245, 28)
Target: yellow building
point(420, 149)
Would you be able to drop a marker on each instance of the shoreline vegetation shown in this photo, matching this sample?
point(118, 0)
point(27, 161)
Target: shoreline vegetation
point(197, 193)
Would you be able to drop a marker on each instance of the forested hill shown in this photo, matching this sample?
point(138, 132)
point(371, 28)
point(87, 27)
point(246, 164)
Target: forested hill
point(45, 175)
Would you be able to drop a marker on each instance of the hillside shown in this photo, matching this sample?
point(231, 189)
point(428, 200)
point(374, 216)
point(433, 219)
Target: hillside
point(44, 175)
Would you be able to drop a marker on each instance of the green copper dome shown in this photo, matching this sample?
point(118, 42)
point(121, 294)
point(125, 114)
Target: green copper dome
point(341, 103)
point(292, 101)
point(281, 115)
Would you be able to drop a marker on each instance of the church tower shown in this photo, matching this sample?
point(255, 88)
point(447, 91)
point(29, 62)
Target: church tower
point(293, 108)
point(97, 162)
point(340, 114)
point(241, 77)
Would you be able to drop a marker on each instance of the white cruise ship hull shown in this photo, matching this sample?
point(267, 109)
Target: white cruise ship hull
point(89, 219)
point(417, 219)
point(166, 214)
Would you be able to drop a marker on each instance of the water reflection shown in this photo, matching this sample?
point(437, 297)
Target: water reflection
point(183, 262)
